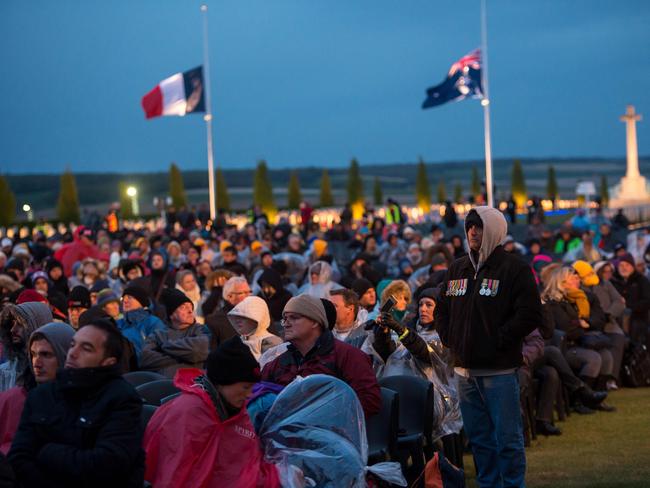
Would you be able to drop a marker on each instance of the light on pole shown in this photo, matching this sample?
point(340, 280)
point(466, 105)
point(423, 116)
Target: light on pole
point(132, 192)
point(28, 210)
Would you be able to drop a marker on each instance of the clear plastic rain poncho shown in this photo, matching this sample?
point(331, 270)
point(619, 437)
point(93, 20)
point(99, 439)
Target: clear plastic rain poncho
point(296, 265)
point(323, 285)
point(315, 434)
point(447, 418)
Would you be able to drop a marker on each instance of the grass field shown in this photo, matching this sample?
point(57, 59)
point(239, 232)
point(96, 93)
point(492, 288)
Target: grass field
point(604, 450)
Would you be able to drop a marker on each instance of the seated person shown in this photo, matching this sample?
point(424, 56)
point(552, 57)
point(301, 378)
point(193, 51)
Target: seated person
point(348, 328)
point(313, 349)
point(234, 291)
point(205, 437)
point(138, 321)
point(250, 319)
point(47, 346)
point(83, 428)
point(184, 344)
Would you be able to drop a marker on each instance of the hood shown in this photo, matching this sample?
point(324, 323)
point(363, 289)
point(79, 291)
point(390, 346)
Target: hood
point(495, 229)
point(59, 335)
point(272, 277)
point(184, 380)
point(34, 315)
point(322, 269)
point(253, 308)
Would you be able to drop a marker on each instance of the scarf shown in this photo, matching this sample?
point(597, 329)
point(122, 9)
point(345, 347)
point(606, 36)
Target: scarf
point(579, 298)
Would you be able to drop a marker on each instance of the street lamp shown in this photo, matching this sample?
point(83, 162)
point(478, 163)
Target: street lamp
point(132, 192)
point(28, 210)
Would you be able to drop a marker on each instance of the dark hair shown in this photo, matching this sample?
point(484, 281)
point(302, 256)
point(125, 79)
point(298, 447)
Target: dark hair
point(113, 345)
point(230, 249)
point(349, 298)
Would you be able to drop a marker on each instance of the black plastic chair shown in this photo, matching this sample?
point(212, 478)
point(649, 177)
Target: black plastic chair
point(147, 413)
point(137, 378)
point(381, 429)
point(415, 418)
point(153, 392)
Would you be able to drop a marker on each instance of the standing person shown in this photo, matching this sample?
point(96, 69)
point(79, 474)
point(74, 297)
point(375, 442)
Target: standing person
point(488, 304)
point(83, 429)
point(184, 344)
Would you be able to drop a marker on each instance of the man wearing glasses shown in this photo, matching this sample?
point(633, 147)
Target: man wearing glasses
point(234, 292)
point(313, 349)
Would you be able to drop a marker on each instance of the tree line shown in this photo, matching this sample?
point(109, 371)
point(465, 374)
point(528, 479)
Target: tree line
point(68, 199)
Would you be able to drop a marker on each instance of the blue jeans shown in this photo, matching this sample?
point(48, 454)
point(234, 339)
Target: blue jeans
point(492, 421)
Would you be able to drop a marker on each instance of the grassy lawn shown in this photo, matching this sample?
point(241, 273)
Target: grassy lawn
point(604, 450)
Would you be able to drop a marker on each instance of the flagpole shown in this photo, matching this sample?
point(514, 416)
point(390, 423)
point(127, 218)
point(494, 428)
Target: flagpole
point(208, 114)
point(486, 106)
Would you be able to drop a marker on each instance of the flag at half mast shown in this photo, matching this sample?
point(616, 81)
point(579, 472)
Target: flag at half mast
point(463, 80)
point(180, 94)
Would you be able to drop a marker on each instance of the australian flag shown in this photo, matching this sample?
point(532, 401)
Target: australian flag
point(463, 80)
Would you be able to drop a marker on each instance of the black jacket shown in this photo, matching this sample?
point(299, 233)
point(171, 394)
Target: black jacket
point(219, 325)
point(81, 430)
point(486, 330)
point(636, 291)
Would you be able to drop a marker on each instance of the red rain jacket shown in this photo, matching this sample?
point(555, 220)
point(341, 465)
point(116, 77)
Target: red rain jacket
point(187, 445)
point(77, 250)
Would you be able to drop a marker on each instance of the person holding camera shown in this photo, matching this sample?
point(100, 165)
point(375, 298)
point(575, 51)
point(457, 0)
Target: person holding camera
point(488, 304)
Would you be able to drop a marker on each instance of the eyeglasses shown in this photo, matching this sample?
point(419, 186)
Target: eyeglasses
point(293, 318)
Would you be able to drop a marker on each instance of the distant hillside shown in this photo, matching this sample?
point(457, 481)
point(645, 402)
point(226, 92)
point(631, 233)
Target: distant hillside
point(397, 179)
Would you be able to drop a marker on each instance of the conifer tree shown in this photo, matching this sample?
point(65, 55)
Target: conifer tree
point(476, 183)
point(294, 196)
point(458, 193)
point(126, 204)
point(422, 190)
point(377, 193)
point(604, 191)
point(67, 206)
point(355, 184)
point(7, 203)
point(176, 187)
point(263, 190)
point(326, 198)
point(551, 185)
point(518, 184)
point(223, 199)
point(442, 191)
point(355, 189)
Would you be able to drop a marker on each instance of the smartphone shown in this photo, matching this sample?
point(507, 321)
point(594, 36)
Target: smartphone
point(388, 305)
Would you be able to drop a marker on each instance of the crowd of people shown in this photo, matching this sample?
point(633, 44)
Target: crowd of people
point(235, 315)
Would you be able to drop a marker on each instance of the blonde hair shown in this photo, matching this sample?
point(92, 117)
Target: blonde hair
point(554, 289)
point(396, 288)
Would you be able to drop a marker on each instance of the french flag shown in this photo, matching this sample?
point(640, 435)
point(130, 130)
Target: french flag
point(180, 94)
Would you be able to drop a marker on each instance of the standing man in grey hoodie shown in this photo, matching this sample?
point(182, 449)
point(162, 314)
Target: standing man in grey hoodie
point(488, 304)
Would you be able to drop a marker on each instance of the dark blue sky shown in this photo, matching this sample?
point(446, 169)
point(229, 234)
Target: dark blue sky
point(315, 82)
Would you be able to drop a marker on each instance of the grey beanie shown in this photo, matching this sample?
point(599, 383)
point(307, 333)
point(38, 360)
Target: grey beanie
point(59, 335)
point(309, 306)
point(34, 314)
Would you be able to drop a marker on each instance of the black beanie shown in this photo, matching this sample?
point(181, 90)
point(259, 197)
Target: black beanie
point(79, 297)
point(360, 286)
point(330, 311)
point(473, 218)
point(137, 292)
point(232, 362)
point(172, 298)
point(432, 293)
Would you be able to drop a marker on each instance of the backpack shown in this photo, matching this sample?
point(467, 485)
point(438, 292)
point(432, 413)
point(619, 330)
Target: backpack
point(636, 366)
point(440, 473)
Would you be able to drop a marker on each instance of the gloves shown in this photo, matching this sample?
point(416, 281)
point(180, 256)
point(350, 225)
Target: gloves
point(387, 320)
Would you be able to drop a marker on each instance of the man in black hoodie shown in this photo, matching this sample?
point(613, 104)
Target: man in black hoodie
point(83, 429)
point(488, 303)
